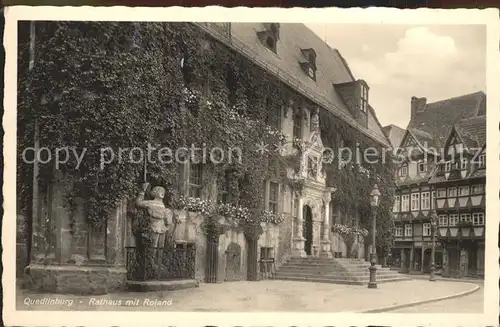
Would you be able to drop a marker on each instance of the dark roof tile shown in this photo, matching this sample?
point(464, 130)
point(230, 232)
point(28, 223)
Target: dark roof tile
point(331, 67)
point(438, 118)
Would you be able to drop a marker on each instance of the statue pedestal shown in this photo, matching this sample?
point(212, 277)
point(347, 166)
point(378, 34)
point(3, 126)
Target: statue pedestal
point(298, 247)
point(326, 250)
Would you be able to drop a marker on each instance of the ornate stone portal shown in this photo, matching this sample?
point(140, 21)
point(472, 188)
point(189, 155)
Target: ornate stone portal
point(315, 195)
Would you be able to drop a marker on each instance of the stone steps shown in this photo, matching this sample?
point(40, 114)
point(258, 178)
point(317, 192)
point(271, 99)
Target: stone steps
point(338, 271)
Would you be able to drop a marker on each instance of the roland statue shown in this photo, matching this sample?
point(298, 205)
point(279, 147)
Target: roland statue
point(161, 218)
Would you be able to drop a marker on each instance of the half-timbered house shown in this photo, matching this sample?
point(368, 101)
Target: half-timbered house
point(420, 152)
point(459, 181)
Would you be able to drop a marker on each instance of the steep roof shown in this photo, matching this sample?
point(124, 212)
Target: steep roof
point(434, 123)
point(472, 131)
point(395, 134)
point(285, 64)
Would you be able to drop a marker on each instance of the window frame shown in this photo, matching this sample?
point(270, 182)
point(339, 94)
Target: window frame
point(463, 164)
point(223, 191)
point(448, 192)
point(297, 131)
point(478, 219)
point(422, 200)
point(273, 202)
point(421, 164)
point(465, 218)
point(426, 227)
point(460, 188)
point(443, 220)
point(363, 104)
point(407, 202)
point(453, 218)
point(400, 170)
point(481, 161)
point(408, 229)
point(397, 204)
point(193, 186)
point(443, 191)
point(481, 189)
point(415, 199)
point(398, 231)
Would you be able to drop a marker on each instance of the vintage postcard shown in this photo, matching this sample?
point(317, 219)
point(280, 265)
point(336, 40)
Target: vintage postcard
point(214, 166)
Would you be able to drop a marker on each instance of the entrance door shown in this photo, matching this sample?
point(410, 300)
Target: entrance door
point(307, 230)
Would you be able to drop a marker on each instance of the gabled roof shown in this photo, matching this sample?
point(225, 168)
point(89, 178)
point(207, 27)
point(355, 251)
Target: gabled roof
point(472, 131)
point(395, 134)
point(285, 64)
point(434, 123)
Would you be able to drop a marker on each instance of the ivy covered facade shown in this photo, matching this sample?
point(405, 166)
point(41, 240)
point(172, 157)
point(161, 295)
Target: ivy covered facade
point(274, 96)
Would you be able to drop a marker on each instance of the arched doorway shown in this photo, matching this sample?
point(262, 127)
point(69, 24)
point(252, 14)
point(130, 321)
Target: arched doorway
point(307, 230)
point(233, 262)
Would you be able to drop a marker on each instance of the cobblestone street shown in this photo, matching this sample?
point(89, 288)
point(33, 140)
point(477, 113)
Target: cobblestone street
point(263, 296)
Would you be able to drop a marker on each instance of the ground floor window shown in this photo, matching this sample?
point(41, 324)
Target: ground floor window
point(427, 229)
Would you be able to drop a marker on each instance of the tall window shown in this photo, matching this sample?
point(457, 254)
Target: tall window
point(398, 231)
point(426, 201)
point(405, 202)
point(463, 164)
point(297, 126)
point(433, 199)
point(478, 219)
point(463, 191)
point(426, 229)
point(453, 220)
point(415, 201)
point(224, 195)
point(452, 192)
point(273, 197)
point(443, 220)
point(195, 180)
point(481, 163)
point(408, 230)
point(363, 104)
point(397, 203)
point(403, 170)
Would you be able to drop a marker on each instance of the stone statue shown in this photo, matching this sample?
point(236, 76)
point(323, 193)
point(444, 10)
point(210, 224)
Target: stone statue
point(161, 218)
point(315, 120)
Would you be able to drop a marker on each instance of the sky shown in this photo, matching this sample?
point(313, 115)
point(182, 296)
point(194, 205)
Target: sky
point(401, 61)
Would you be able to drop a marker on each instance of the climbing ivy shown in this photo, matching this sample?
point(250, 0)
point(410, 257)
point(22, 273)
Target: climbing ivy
point(126, 85)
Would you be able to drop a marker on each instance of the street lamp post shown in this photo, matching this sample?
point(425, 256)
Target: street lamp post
point(432, 277)
point(375, 196)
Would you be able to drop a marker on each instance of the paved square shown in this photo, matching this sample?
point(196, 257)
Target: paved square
point(268, 295)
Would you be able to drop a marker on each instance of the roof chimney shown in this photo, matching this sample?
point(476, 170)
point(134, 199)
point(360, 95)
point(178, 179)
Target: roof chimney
point(418, 105)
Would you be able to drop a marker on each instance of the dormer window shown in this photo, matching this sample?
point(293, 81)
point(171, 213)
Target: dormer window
point(363, 104)
point(269, 36)
point(309, 65)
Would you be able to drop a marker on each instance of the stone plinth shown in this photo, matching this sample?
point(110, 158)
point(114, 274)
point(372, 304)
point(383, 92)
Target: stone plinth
point(71, 255)
point(73, 279)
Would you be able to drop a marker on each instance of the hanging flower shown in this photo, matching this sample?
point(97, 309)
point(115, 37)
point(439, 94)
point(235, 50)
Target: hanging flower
point(271, 217)
point(345, 230)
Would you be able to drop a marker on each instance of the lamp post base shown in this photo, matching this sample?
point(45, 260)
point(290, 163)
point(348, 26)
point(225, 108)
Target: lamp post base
point(432, 277)
point(373, 272)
